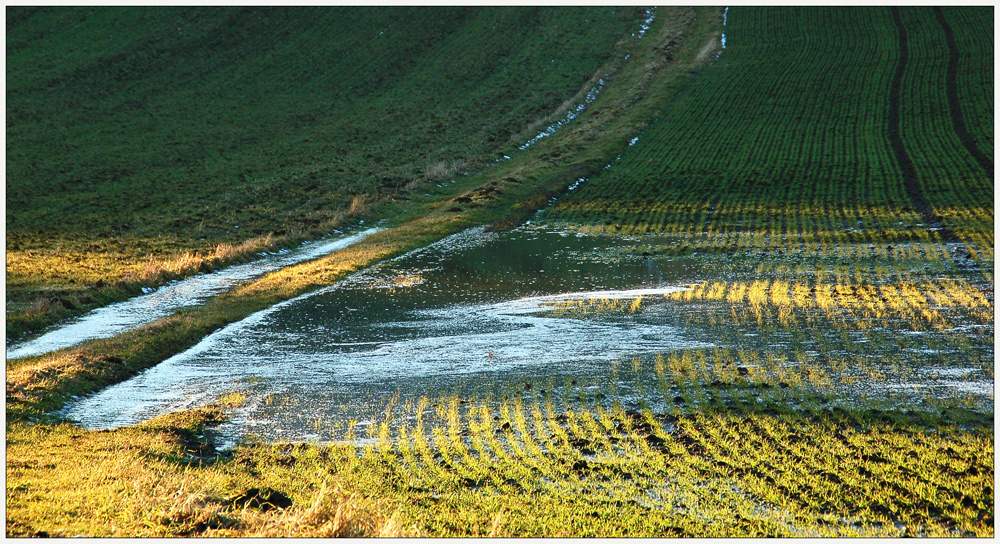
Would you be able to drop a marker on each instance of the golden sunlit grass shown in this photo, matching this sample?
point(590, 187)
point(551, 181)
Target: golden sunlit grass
point(786, 427)
point(158, 479)
point(729, 467)
point(913, 300)
point(45, 285)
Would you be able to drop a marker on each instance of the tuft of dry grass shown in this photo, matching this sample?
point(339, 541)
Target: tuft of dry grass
point(357, 206)
point(162, 478)
point(332, 514)
point(443, 169)
point(158, 270)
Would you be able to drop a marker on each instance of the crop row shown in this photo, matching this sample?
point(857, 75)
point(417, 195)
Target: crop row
point(951, 177)
point(973, 31)
point(905, 298)
point(732, 467)
point(907, 343)
point(787, 135)
point(770, 129)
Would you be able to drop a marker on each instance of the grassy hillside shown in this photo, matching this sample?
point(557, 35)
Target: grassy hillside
point(137, 136)
point(268, 119)
point(831, 173)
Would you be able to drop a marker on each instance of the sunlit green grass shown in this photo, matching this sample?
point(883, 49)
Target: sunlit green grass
point(818, 411)
point(728, 467)
point(142, 137)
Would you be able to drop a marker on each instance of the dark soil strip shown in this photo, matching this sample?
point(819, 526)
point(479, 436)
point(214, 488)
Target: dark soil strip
point(957, 118)
point(910, 181)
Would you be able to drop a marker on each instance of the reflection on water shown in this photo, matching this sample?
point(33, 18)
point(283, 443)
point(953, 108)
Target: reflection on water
point(124, 316)
point(472, 314)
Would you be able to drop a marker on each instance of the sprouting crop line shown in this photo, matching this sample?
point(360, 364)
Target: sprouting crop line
point(747, 198)
point(957, 118)
point(909, 170)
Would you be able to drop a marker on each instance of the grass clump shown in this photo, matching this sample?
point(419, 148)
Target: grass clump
point(163, 479)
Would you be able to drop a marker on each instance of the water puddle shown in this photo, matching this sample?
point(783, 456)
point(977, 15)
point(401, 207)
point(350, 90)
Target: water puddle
point(473, 315)
point(133, 313)
point(945, 389)
point(647, 21)
point(725, 19)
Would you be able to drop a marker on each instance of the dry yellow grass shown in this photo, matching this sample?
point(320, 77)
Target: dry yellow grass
point(152, 481)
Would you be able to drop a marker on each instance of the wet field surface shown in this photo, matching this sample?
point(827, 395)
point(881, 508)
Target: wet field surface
point(158, 303)
point(478, 314)
point(544, 316)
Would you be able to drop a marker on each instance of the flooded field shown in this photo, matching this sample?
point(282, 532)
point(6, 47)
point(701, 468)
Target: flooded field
point(472, 314)
point(560, 318)
point(748, 290)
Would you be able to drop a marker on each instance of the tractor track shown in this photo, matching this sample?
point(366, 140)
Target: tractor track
point(957, 119)
point(910, 181)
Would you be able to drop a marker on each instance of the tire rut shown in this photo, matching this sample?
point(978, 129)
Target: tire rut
point(957, 119)
point(910, 182)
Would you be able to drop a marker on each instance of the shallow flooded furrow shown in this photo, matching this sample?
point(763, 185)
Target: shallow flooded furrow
point(133, 313)
point(475, 308)
point(559, 318)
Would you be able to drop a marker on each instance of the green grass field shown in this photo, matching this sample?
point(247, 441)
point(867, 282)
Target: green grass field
point(195, 123)
point(167, 132)
point(831, 168)
point(800, 147)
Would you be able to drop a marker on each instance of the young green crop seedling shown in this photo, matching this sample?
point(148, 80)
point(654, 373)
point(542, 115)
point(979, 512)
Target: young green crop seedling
point(837, 205)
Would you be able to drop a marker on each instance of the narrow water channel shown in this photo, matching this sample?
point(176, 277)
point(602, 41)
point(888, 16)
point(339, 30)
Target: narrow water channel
point(473, 315)
point(120, 317)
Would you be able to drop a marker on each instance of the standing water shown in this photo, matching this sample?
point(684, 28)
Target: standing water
point(124, 316)
point(467, 316)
